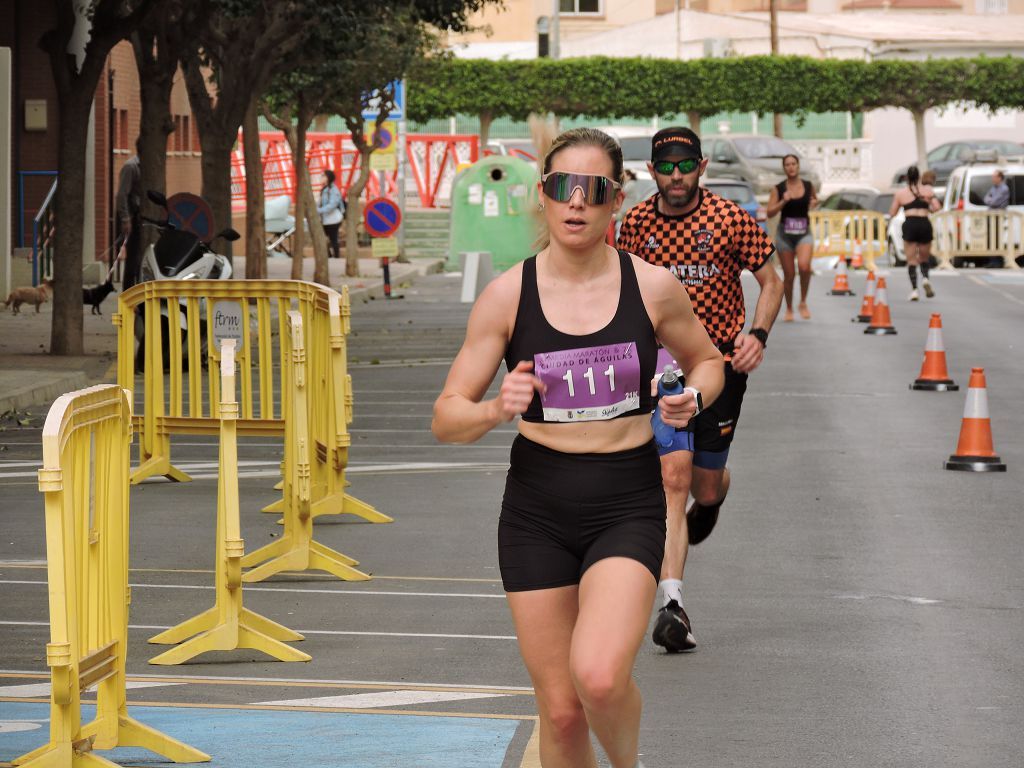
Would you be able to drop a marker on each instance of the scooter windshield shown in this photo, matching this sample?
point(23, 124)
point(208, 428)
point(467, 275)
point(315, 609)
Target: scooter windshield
point(175, 250)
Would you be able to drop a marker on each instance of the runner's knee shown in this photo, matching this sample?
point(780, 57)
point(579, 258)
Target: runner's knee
point(565, 718)
point(599, 682)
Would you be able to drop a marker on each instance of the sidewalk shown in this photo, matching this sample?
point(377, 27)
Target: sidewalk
point(31, 378)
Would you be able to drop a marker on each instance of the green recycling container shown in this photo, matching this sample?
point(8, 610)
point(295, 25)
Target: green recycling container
point(494, 209)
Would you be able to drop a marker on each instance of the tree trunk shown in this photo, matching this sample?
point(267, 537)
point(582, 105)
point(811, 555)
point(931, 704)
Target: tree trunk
point(255, 220)
point(486, 118)
point(694, 117)
point(306, 112)
point(355, 213)
point(156, 78)
point(922, 150)
point(216, 166)
point(66, 330)
point(773, 10)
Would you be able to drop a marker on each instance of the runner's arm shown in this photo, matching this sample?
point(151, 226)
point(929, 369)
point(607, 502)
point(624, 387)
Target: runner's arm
point(755, 250)
point(894, 208)
point(461, 415)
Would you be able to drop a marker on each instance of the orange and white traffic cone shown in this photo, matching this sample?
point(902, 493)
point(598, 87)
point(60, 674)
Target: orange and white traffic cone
point(974, 450)
point(841, 285)
point(858, 256)
point(881, 323)
point(934, 376)
point(867, 307)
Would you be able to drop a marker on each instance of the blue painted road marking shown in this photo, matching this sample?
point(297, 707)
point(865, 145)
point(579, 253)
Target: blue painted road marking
point(243, 738)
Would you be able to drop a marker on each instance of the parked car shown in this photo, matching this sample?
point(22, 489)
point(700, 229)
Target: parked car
point(871, 199)
point(756, 160)
point(635, 141)
point(945, 157)
point(741, 193)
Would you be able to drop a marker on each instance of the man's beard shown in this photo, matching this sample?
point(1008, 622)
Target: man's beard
point(677, 198)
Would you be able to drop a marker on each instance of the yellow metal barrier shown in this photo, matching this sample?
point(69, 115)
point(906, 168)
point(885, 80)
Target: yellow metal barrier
point(296, 550)
point(228, 626)
point(978, 234)
point(253, 312)
point(845, 233)
point(86, 446)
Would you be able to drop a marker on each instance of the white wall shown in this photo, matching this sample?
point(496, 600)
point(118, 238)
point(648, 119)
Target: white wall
point(892, 131)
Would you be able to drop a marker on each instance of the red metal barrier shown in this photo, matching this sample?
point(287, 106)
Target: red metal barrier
point(432, 162)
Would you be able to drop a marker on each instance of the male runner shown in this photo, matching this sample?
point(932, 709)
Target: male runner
point(706, 241)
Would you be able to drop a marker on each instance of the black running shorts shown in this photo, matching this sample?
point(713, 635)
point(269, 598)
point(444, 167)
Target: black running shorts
point(713, 429)
point(917, 229)
point(562, 512)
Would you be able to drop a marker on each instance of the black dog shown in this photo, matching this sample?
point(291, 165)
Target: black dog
point(95, 296)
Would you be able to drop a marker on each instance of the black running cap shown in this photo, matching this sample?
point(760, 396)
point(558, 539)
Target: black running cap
point(675, 142)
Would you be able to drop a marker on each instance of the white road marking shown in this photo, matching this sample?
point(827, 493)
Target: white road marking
point(248, 588)
point(33, 690)
point(332, 632)
point(902, 598)
point(308, 681)
point(991, 287)
point(14, 726)
point(385, 699)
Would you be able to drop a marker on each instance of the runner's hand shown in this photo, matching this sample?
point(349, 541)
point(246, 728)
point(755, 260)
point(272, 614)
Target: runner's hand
point(122, 253)
point(747, 354)
point(517, 390)
point(677, 410)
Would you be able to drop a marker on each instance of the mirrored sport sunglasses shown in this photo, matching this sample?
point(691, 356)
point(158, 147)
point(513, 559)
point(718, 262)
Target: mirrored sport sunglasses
point(665, 167)
point(560, 186)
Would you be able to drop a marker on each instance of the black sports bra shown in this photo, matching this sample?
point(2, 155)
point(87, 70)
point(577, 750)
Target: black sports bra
point(591, 377)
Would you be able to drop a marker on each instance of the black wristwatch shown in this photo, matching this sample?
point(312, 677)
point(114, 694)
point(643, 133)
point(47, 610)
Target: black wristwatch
point(760, 334)
point(697, 398)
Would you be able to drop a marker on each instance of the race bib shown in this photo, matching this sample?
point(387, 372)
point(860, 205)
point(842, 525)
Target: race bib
point(794, 226)
point(590, 383)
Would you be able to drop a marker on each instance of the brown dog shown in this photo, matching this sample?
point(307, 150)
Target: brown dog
point(29, 295)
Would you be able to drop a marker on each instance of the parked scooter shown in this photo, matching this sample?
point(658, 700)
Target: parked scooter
point(178, 255)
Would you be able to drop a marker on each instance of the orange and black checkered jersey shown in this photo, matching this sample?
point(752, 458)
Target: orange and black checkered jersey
point(706, 249)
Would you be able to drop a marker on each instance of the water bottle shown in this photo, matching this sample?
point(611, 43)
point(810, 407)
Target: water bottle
point(669, 384)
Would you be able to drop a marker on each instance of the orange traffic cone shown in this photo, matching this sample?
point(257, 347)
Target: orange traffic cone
point(858, 255)
point(841, 286)
point(934, 376)
point(974, 450)
point(868, 305)
point(881, 323)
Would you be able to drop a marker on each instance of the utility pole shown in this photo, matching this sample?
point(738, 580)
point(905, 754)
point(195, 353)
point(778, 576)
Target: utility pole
point(773, 13)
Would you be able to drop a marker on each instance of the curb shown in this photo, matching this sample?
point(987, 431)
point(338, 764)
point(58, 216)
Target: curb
point(47, 387)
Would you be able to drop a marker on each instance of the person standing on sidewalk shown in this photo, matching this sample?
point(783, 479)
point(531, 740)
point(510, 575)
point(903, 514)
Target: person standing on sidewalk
point(582, 527)
point(129, 219)
point(705, 241)
point(332, 211)
point(917, 201)
point(792, 199)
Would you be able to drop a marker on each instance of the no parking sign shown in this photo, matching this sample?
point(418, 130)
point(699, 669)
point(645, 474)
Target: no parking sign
point(381, 217)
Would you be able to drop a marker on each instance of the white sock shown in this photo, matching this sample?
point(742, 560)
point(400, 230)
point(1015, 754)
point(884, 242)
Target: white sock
point(671, 589)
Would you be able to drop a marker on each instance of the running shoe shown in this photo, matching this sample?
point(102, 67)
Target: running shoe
point(928, 290)
point(672, 629)
point(700, 522)
point(913, 295)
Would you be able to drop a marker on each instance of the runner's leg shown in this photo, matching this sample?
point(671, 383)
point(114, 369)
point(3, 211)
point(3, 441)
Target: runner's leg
point(544, 621)
point(788, 273)
point(803, 259)
point(615, 598)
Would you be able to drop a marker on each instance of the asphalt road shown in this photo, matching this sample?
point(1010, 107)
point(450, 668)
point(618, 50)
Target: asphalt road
point(856, 606)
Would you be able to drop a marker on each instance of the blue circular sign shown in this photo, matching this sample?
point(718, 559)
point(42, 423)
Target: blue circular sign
point(385, 138)
point(190, 213)
point(381, 217)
